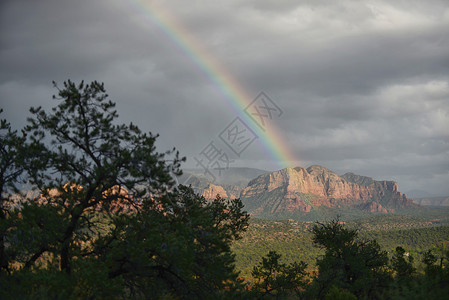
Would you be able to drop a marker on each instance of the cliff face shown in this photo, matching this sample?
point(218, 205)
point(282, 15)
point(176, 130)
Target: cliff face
point(294, 190)
point(227, 191)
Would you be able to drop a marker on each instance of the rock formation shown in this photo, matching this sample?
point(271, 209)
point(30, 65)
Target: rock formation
point(212, 190)
point(297, 190)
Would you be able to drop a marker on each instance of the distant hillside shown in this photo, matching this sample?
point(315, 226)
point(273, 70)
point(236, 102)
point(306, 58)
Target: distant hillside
point(229, 185)
point(432, 201)
point(232, 176)
point(317, 193)
point(416, 193)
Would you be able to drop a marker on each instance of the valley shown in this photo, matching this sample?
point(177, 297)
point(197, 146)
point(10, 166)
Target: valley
point(293, 239)
point(285, 205)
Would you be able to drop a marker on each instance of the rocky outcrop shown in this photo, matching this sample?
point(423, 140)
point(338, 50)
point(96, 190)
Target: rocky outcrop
point(374, 207)
point(292, 190)
point(229, 191)
point(233, 191)
point(212, 190)
point(229, 185)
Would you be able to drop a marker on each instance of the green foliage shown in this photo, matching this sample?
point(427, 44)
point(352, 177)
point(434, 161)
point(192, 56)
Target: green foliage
point(437, 261)
point(293, 239)
point(11, 167)
point(357, 266)
point(107, 221)
point(10, 159)
point(187, 253)
point(289, 238)
point(277, 279)
point(89, 163)
point(403, 267)
point(88, 280)
point(336, 293)
point(432, 285)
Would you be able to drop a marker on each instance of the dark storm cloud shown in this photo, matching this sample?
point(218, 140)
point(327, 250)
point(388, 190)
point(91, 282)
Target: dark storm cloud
point(364, 86)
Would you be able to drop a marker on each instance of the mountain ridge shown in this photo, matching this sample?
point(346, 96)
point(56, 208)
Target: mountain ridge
point(293, 191)
point(312, 192)
point(432, 201)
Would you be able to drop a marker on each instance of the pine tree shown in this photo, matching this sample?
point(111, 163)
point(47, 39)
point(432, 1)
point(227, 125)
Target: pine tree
point(108, 221)
point(359, 267)
point(10, 170)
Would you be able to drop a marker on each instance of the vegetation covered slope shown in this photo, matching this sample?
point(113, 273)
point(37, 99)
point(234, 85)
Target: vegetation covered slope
point(293, 239)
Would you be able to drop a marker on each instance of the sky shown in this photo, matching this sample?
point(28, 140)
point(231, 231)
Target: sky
point(354, 86)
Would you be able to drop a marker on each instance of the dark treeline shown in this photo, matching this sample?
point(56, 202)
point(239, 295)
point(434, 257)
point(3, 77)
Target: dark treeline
point(105, 220)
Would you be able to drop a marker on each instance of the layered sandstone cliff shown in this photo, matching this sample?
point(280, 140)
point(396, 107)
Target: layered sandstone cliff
point(303, 190)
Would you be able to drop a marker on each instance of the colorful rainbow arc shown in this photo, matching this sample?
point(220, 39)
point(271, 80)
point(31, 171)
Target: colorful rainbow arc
point(234, 94)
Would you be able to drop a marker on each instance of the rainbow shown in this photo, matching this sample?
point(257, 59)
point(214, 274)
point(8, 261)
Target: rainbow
point(223, 81)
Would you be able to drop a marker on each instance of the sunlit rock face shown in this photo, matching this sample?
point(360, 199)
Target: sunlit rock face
point(212, 190)
point(292, 190)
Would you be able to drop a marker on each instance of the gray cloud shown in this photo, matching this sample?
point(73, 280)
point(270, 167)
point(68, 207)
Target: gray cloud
point(364, 86)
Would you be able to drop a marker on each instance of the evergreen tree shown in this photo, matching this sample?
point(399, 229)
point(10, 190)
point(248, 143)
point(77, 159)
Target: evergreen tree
point(403, 267)
point(108, 221)
point(10, 170)
point(359, 267)
point(278, 280)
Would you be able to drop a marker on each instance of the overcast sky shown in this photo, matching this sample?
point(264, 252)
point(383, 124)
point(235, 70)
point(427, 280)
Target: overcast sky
point(363, 85)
